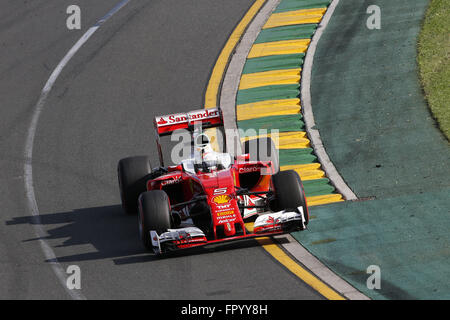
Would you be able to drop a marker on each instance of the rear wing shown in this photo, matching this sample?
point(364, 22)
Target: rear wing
point(165, 125)
point(208, 118)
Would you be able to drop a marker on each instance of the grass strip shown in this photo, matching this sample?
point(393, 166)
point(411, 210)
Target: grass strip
point(434, 62)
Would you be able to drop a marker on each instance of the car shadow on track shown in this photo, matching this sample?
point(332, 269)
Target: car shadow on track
point(113, 234)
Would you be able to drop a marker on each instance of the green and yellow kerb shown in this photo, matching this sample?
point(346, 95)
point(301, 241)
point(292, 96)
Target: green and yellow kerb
point(269, 91)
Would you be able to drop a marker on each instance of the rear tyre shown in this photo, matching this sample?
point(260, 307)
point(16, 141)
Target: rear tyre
point(289, 192)
point(132, 173)
point(263, 149)
point(154, 214)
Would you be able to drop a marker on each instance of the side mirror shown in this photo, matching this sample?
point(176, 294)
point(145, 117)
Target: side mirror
point(243, 157)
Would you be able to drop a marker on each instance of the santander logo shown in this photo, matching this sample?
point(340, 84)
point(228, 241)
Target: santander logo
point(191, 116)
point(177, 118)
point(203, 114)
point(161, 121)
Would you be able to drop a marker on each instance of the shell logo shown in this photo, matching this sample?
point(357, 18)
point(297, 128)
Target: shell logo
point(224, 198)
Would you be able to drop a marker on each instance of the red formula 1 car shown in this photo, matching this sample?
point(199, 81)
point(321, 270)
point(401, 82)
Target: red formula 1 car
point(209, 196)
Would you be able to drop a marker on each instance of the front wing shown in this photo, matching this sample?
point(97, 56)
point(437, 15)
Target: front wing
point(268, 224)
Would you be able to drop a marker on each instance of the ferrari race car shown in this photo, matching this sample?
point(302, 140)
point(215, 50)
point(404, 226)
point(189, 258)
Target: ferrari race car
point(210, 197)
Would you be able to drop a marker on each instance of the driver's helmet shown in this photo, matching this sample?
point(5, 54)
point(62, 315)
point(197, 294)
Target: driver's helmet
point(204, 155)
point(202, 143)
point(204, 158)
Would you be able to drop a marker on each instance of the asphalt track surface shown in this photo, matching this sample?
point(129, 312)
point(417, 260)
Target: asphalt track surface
point(152, 57)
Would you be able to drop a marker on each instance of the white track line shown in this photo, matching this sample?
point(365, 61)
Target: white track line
point(314, 135)
point(228, 105)
point(28, 153)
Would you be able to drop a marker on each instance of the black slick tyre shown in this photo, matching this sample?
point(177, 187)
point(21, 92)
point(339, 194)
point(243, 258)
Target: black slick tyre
point(154, 214)
point(132, 174)
point(289, 192)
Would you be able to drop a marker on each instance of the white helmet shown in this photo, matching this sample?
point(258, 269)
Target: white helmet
point(203, 151)
point(204, 157)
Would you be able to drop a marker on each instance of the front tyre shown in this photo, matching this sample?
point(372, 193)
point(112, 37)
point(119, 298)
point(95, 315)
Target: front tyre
point(289, 192)
point(154, 214)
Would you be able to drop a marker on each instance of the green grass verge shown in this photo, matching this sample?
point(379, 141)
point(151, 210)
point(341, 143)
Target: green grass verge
point(434, 61)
